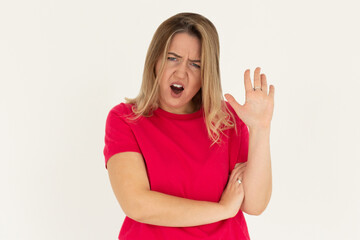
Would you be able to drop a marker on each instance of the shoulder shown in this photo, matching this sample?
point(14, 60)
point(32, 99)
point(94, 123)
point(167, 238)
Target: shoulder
point(121, 109)
point(121, 112)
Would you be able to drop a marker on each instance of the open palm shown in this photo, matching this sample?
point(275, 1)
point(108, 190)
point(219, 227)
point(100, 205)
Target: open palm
point(259, 105)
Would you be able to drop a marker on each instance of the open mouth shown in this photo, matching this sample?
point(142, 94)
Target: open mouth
point(177, 88)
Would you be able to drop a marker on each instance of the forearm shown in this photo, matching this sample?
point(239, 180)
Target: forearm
point(157, 208)
point(257, 177)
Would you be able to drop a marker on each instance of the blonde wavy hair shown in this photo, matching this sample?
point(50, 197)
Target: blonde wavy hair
point(217, 115)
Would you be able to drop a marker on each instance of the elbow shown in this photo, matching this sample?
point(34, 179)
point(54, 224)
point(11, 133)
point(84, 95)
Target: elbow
point(254, 210)
point(132, 213)
point(138, 212)
point(132, 207)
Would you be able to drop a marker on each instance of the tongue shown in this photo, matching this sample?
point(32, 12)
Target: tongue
point(176, 90)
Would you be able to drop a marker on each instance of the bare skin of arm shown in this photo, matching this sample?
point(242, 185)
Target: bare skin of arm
point(258, 177)
point(256, 113)
point(129, 181)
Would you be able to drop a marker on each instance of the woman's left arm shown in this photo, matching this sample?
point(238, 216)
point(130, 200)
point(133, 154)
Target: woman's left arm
point(257, 178)
point(256, 113)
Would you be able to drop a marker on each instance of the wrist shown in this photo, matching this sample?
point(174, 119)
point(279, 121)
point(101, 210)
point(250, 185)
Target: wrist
point(224, 211)
point(260, 129)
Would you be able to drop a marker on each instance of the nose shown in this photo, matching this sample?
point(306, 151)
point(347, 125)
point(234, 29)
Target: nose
point(180, 71)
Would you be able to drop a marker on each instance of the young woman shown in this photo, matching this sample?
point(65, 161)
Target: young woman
point(184, 163)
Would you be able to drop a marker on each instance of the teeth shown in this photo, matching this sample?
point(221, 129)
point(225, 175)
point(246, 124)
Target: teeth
point(177, 85)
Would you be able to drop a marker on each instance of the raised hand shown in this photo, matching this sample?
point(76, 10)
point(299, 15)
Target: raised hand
point(259, 105)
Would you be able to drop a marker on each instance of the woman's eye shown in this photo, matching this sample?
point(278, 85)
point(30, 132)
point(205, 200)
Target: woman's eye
point(174, 59)
point(195, 65)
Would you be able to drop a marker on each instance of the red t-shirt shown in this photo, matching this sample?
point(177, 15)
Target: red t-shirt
point(180, 162)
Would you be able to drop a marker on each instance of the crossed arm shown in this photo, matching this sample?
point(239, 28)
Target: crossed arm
point(130, 184)
point(129, 181)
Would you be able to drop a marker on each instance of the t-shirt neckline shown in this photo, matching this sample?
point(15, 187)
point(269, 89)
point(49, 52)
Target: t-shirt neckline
point(193, 115)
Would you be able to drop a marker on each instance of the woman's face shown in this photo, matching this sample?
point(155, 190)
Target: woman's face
point(182, 68)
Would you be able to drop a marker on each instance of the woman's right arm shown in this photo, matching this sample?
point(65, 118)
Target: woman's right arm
point(130, 184)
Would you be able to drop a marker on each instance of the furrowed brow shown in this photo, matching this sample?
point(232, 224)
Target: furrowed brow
point(181, 57)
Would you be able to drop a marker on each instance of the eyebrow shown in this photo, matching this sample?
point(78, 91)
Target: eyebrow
point(181, 57)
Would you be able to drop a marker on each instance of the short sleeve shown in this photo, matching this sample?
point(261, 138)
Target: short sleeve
point(239, 142)
point(119, 136)
point(244, 142)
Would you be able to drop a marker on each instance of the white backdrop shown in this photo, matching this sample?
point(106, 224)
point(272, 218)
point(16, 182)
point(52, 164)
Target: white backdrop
point(65, 64)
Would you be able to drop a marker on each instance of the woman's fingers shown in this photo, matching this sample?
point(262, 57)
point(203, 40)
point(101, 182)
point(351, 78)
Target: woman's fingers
point(264, 85)
point(238, 171)
point(247, 81)
point(232, 175)
point(240, 165)
point(257, 81)
point(239, 174)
